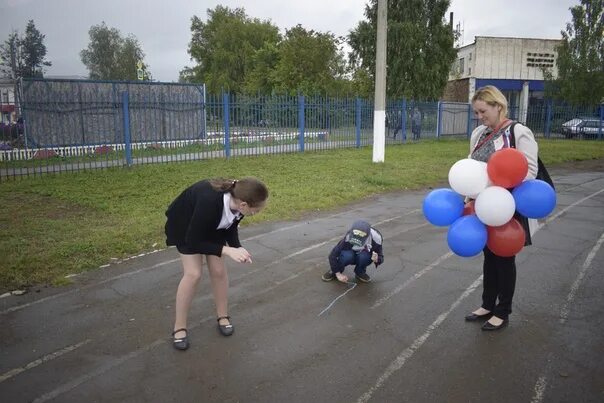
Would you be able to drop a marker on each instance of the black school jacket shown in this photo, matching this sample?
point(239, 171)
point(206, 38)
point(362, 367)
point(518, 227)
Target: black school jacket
point(193, 218)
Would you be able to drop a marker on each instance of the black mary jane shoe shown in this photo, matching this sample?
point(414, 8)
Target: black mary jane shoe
point(181, 343)
point(474, 318)
point(488, 326)
point(225, 330)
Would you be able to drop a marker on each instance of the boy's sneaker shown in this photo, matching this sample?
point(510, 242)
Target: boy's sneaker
point(328, 276)
point(363, 277)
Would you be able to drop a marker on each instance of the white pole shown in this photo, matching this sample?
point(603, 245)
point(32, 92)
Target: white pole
point(379, 115)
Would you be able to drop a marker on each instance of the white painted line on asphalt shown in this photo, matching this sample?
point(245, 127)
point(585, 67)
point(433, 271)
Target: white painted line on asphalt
point(340, 296)
point(290, 227)
point(355, 284)
point(123, 275)
point(117, 362)
point(318, 245)
point(540, 387)
point(104, 368)
point(39, 361)
point(575, 287)
point(19, 307)
point(320, 219)
point(541, 384)
point(417, 275)
point(564, 210)
point(407, 353)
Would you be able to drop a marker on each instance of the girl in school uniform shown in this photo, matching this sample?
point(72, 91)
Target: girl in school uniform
point(202, 222)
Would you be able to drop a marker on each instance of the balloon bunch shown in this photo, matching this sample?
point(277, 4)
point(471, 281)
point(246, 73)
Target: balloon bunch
point(488, 216)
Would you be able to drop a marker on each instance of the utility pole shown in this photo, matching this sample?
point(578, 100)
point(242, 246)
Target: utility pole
point(379, 113)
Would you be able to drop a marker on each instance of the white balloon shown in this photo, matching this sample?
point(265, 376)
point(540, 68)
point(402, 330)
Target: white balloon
point(495, 206)
point(468, 177)
point(489, 184)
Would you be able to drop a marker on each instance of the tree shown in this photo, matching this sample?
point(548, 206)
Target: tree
point(420, 47)
point(309, 62)
point(260, 80)
point(11, 57)
point(24, 56)
point(34, 52)
point(229, 46)
point(580, 60)
point(109, 56)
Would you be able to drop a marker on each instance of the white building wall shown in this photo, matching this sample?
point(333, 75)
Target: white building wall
point(513, 58)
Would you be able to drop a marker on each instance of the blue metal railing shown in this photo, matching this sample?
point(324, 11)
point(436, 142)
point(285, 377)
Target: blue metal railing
point(81, 124)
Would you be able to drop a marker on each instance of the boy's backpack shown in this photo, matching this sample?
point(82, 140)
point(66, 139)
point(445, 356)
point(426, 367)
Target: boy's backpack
point(542, 173)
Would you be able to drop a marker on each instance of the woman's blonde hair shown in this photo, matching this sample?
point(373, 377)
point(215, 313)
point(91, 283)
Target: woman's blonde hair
point(493, 97)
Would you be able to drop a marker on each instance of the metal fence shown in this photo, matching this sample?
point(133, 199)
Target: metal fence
point(71, 125)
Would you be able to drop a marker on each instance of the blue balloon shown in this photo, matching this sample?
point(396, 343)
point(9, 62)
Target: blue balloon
point(534, 198)
point(442, 207)
point(467, 236)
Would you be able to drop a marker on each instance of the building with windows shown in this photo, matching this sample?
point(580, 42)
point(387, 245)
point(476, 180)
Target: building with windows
point(7, 101)
point(514, 65)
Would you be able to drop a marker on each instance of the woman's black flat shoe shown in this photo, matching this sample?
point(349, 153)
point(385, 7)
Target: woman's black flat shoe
point(474, 318)
point(181, 343)
point(488, 326)
point(225, 330)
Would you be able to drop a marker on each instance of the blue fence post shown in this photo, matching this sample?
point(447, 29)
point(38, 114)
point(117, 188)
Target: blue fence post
point(469, 129)
point(226, 119)
point(126, 120)
point(404, 120)
point(438, 119)
point(548, 118)
point(357, 120)
point(204, 112)
point(601, 121)
point(301, 123)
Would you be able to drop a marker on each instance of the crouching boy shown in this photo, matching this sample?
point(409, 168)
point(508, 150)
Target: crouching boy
point(361, 246)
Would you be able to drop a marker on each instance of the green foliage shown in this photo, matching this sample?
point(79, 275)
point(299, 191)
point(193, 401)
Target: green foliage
point(239, 54)
point(109, 56)
point(309, 62)
point(229, 46)
point(580, 58)
point(24, 56)
point(420, 48)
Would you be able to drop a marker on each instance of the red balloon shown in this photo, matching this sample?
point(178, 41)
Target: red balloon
point(506, 240)
point(468, 208)
point(507, 167)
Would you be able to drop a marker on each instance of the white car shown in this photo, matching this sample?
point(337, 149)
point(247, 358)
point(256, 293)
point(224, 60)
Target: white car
point(588, 128)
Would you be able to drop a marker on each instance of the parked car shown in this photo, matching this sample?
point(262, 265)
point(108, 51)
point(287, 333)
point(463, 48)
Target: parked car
point(585, 127)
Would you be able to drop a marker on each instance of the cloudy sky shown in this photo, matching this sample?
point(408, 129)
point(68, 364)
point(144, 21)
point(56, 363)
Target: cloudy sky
point(163, 26)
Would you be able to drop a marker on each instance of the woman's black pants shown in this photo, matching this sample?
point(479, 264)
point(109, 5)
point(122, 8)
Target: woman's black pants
point(499, 283)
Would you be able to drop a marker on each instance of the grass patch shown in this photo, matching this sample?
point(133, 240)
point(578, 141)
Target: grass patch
point(57, 225)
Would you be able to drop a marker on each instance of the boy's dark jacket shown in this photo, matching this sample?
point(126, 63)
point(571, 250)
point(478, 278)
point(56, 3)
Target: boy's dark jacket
point(350, 241)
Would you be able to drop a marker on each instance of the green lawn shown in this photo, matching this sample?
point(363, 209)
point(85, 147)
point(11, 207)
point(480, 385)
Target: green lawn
point(57, 225)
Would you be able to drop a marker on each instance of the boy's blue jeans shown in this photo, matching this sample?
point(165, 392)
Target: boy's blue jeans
point(360, 260)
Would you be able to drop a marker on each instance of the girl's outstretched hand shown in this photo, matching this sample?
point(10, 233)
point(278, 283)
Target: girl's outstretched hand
point(240, 255)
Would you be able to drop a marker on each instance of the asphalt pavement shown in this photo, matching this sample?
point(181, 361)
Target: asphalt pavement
point(400, 338)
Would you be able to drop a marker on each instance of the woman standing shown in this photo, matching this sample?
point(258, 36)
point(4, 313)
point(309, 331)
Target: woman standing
point(499, 273)
point(202, 222)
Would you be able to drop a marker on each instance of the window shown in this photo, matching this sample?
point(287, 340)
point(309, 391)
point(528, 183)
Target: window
point(470, 57)
point(469, 71)
point(5, 97)
point(540, 59)
point(461, 66)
